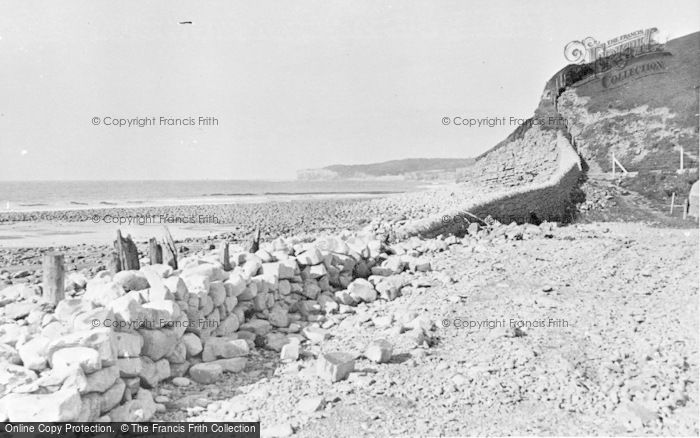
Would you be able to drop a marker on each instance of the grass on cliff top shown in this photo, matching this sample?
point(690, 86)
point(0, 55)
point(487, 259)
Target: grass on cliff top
point(677, 89)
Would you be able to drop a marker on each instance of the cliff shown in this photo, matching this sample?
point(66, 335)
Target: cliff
point(410, 168)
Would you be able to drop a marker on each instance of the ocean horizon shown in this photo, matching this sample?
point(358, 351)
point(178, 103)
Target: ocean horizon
point(51, 195)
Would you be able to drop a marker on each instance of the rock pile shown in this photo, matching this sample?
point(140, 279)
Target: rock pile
point(98, 354)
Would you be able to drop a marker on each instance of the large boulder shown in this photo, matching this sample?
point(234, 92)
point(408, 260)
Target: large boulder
point(193, 345)
point(140, 409)
point(113, 396)
point(158, 343)
point(101, 292)
point(67, 308)
point(34, 354)
point(362, 290)
point(12, 376)
point(16, 292)
point(215, 348)
point(102, 340)
point(214, 272)
point(59, 406)
point(206, 373)
point(131, 280)
point(102, 380)
point(128, 344)
point(86, 358)
point(333, 367)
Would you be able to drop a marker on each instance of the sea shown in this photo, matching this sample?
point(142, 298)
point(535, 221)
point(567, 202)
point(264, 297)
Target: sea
point(70, 195)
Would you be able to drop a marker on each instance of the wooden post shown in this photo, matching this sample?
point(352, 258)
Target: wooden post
point(681, 159)
point(613, 164)
point(127, 251)
point(255, 244)
point(53, 277)
point(155, 251)
point(673, 200)
point(169, 249)
point(114, 265)
point(223, 256)
point(686, 206)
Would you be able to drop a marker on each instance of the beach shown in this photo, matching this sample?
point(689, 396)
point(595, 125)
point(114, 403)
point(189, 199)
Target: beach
point(86, 235)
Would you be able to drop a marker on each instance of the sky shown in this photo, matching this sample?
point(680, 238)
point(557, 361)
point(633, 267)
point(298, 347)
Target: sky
point(292, 84)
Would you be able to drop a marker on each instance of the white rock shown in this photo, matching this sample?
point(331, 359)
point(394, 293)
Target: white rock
point(34, 354)
point(232, 365)
point(86, 358)
point(177, 287)
point(205, 373)
point(102, 380)
point(215, 348)
point(257, 326)
point(235, 285)
point(214, 272)
point(158, 343)
point(310, 257)
point(309, 405)
point(102, 292)
point(131, 280)
point(283, 270)
point(181, 381)
point(290, 351)
point(129, 344)
point(362, 290)
point(59, 406)
point(140, 409)
point(192, 343)
point(315, 334)
point(112, 396)
point(379, 351)
point(130, 367)
point(333, 367)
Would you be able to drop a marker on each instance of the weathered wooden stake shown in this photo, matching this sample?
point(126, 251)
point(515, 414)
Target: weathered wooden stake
point(127, 251)
point(53, 277)
point(114, 265)
point(255, 244)
point(673, 201)
point(155, 251)
point(223, 256)
point(169, 249)
point(686, 206)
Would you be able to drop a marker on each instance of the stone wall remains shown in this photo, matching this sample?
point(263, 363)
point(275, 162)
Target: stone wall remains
point(101, 352)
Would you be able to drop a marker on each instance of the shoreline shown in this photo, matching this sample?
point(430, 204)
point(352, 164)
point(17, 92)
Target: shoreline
point(205, 200)
point(14, 197)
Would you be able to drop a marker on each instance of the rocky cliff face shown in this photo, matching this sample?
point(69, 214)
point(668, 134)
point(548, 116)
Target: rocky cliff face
point(526, 160)
point(643, 111)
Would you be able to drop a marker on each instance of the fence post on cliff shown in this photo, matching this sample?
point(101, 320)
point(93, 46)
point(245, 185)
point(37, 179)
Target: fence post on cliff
point(155, 251)
point(53, 277)
point(673, 201)
point(612, 160)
